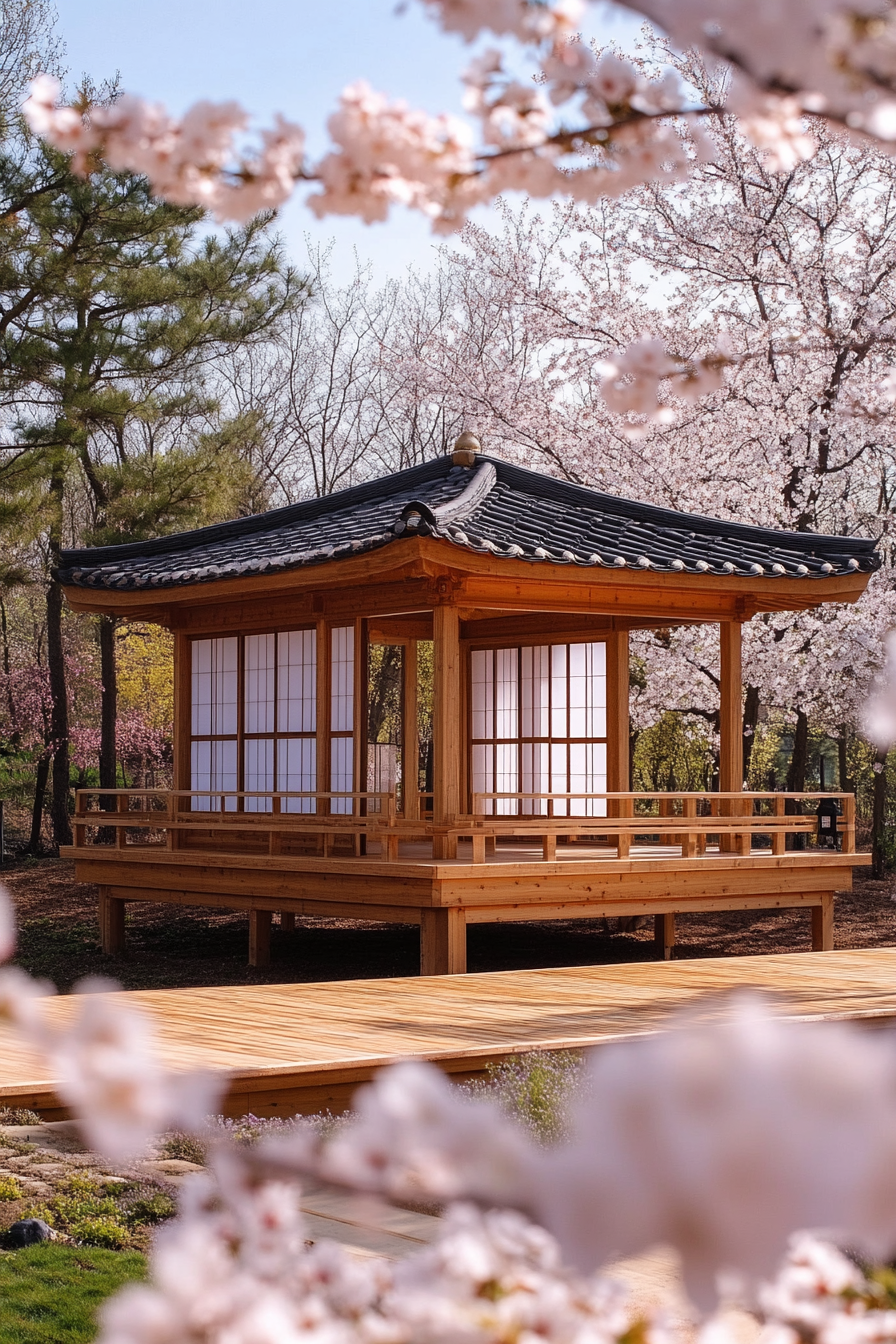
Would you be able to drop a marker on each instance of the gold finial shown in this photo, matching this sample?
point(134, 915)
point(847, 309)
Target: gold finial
point(466, 446)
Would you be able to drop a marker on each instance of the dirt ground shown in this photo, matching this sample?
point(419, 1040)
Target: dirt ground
point(169, 947)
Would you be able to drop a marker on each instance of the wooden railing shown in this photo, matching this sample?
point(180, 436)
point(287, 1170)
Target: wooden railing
point(169, 817)
point(222, 811)
point(688, 819)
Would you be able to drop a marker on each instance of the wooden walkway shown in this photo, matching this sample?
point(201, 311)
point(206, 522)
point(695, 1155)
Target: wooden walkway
point(304, 1048)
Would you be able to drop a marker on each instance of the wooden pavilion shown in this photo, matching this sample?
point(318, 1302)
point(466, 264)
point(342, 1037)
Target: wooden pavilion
point(502, 602)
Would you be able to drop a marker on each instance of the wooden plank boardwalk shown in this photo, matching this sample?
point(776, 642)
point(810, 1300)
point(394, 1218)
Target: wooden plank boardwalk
point(302, 1048)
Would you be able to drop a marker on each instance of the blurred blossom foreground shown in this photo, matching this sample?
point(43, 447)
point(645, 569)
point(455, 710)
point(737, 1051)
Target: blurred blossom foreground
point(720, 1139)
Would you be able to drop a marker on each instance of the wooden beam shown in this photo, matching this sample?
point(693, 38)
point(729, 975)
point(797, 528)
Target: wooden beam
point(259, 938)
point(443, 942)
point(446, 720)
point(488, 629)
point(345, 587)
point(287, 921)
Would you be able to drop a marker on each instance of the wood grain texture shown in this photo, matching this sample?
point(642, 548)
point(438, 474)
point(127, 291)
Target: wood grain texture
point(303, 1047)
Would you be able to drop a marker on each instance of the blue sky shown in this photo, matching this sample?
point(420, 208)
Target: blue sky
point(292, 56)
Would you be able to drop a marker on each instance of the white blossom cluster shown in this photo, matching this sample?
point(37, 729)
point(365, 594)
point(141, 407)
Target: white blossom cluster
point(632, 380)
point(235, 1269)
point(790, 58)
point(820, 1294)
point(187, 161)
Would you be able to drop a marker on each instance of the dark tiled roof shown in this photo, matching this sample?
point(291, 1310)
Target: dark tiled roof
point(491, 507)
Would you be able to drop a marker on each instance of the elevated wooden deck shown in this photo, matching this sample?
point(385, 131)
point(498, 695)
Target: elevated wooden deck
point(304, 1048)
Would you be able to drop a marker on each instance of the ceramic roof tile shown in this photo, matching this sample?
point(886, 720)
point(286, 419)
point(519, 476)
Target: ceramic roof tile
point(491, 507)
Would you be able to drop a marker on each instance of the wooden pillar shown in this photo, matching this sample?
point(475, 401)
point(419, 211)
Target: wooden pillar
point(618, 711)
point(443, 941)
point(410, 744)
point(359, 726)
point(447, 726)
point(259, 938)
point(111, 915)
point(287, 921)
point(823, 923)
point(618, 778)
point(664, 935)
point(731, 731)
point(183, 715)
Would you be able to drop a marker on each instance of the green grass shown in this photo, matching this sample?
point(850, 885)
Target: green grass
point(49, 1294)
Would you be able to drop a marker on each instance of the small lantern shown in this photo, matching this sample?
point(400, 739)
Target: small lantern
point(828, 812)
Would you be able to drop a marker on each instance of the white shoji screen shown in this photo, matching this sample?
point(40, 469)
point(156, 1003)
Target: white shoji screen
point(274, 678)
point(214, 697)
point(539, 725)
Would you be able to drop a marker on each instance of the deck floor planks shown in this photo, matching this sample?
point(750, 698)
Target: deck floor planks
point(291, 1037)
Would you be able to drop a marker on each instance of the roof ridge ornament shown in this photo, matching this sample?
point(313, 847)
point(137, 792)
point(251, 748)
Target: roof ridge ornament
point(466, 446)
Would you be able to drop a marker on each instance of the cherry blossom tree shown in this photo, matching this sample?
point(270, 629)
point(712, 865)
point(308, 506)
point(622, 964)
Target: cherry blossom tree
point(587, 123)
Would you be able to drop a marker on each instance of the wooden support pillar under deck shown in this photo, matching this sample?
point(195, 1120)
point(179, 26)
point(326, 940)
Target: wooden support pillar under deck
point(259, 938)
point(446, 724)
point(731, 739)
point(664, 935)
point(443, 941)
point(823, 923)
point(111, 914)
point(287, 921)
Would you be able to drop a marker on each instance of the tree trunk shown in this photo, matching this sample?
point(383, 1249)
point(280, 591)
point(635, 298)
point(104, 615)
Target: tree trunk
point(751, 718)
point(878, 814)
point(37, 810)
point(108, 705)
point(845, 783)
point(796, 771)
point(62, 831)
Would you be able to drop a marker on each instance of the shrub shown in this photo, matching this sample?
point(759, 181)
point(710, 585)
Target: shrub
point(185, 1147)
point(105, 1213)
point(534, 1088)
point(10, 1188)
point(144, 1204)
point(16, 1115)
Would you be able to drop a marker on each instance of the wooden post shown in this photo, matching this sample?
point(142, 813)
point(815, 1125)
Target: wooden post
point(731, 732)
point(287, 921)
point(111, 915)
point(849, 824)
point(446, 725)
point(359, 730)
point(410, 743)
point(259, 938)
point(823, 923)
point(689, 841)
point(322, 727)
point(779, 837)
point(664, 935)
point(121, 832)
point(618, 775)
point(443, 941)
point(183, 727)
